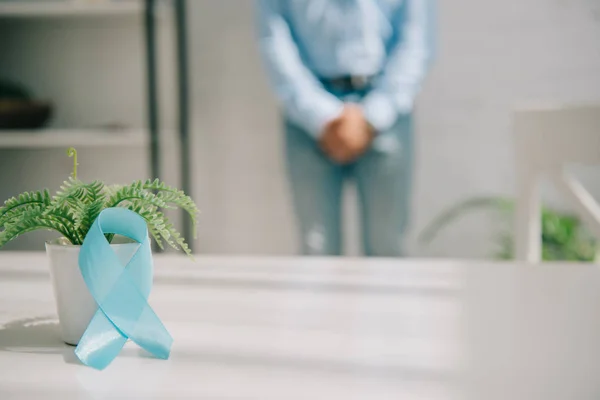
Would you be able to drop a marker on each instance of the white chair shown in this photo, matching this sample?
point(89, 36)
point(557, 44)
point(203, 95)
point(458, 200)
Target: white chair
point(547, 139)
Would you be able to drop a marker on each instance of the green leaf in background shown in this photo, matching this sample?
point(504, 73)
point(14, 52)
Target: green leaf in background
point(563, 236)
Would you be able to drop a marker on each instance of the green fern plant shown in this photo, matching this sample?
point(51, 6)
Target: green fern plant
point(73, 209)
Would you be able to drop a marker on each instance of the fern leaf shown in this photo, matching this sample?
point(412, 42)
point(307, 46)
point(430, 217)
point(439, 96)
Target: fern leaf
point(31, 221)
point(156, 236)
point(86, 214)
point(70, 188)
point(159, 226)
point(16, 213)
point(61, 216)
point(110, 190)
point(184, 202)
point(177, 238)
point(134, 193)
point(79, 203)
point(175, 197)
point(14, 206)
point(73, 189)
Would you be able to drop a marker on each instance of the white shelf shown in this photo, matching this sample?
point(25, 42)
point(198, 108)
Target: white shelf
point(53, 138)
point(20, 8)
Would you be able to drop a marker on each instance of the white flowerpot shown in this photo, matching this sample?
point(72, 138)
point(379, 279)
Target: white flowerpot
point(74, 303)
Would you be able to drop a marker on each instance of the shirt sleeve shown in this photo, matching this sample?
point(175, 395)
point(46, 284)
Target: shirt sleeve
point(302, 95)
point(395, 90)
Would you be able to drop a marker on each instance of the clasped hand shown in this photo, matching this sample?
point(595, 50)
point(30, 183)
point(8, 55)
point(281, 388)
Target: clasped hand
point(347, 137)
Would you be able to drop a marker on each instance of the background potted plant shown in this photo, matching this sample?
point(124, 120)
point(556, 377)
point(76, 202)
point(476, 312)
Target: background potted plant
point(563, 236)
point(71, 212)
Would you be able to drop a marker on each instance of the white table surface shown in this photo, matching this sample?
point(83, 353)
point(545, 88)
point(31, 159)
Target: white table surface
point(292, 328)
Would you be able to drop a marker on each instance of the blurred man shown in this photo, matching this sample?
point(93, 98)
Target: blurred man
point(347, 73)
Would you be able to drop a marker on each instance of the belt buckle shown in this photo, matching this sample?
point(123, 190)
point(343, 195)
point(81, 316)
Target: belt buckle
point(358, 82)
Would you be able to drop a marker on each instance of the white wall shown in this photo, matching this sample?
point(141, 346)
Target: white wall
point(491, 55)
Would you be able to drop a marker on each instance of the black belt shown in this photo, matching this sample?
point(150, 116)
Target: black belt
point(350, 83)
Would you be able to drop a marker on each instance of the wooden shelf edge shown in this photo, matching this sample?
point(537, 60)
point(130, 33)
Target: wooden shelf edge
point(53, 138)
point(68, 8)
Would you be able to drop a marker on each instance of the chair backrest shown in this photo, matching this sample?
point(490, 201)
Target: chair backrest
point(547, 139)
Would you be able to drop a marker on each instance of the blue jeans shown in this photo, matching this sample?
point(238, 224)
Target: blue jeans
point(383, 179)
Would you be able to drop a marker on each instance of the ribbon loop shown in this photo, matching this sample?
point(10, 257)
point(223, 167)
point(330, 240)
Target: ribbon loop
point(121, 292)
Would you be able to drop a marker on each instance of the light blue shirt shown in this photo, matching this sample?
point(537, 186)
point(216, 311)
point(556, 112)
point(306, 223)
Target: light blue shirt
point(304, 40)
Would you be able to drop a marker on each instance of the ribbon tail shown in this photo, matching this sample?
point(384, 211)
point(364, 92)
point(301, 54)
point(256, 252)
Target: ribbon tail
point(129, 311)
point(100, 343)
point(151, 335)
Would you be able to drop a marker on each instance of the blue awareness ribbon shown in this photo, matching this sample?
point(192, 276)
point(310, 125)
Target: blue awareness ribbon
point(121, 292)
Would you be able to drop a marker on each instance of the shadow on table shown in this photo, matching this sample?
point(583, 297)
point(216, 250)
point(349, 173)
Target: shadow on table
point(39, 335)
